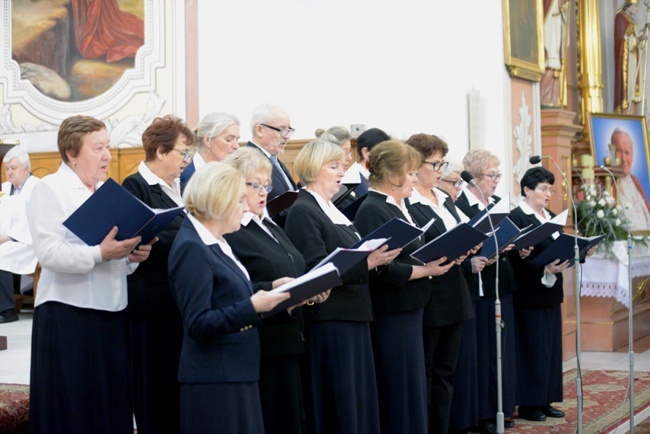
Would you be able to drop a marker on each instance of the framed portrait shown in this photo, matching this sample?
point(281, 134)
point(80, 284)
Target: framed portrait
point(523, 39)
point(621, 141)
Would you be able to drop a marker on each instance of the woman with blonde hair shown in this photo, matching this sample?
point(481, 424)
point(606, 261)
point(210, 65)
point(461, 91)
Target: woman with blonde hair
point(220, 357)
point(342, 393)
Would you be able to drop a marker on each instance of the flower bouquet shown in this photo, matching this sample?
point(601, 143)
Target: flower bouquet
point(599, 214)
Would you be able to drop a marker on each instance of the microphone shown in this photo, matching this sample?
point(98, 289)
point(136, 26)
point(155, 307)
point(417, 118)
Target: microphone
point(535, 159)
point(469, 179)
point(631, 307)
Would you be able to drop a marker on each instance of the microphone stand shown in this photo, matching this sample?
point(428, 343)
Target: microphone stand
point(497, 319)
point(630, 322)
point(576, 267)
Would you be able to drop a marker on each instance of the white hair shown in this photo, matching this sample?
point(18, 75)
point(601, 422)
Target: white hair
point(20, 154)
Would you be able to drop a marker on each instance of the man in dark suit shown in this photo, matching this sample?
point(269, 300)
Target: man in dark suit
point(270, 131)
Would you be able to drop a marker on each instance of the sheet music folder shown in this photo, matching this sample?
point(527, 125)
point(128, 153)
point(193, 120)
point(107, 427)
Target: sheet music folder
point(498, 212)
point(279, 203)
point(306, 286)
point(113, 205)
point(344, 259)
point(397, 232)
point(506, 232)
point(453, 244)
point(562, 248)
point(541, 232)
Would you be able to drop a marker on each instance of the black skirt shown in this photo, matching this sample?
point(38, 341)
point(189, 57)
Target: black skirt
point(464, 403)
point(341, 378)
point(539, 350)
point(79, 378)
point(221, 408)
point(401, 378)
point(487, 357)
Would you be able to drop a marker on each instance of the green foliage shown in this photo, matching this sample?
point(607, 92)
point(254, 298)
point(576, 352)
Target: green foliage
point(599, 214)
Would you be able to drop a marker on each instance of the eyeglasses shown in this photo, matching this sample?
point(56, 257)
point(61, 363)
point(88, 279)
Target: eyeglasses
point(438, 166)
point(494, 177)
point(284, 132)
point(456, 184)
point(545, 189)
point(187, 155)
point(259, 187)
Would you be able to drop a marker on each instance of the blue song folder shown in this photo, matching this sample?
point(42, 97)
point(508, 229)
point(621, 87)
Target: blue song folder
point(397, 232)
point(562, 248)
point(113, 205)
point(497, 213)
point(453, 244)
point(506, 232)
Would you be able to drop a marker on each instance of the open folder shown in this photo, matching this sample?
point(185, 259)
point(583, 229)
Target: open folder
point(344, 259)
point(563, 248)
point(113, 205)
point(306, 286)
point(506, 232)
point(397, 232)
point(497, 211)
point(453, 244)
point(541, 232)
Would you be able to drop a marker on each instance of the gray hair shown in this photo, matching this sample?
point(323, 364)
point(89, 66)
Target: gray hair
point(214, 124)
point(617, 131)
point(264, 114)
point(20, 154)
point(453, 167)
point(340, 134)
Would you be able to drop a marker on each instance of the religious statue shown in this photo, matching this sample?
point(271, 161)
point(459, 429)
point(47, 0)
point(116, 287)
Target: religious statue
point(629, 60)
point(555, 37)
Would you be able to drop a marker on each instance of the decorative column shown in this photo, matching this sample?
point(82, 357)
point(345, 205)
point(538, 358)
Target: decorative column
point(590, 64)
point(558, 133)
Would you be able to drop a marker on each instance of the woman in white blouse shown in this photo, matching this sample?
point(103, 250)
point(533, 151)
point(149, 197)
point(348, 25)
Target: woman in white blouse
point(79, 366)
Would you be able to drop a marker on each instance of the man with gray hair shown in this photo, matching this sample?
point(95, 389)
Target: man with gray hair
point(16, 253)
point(630, 193)
point(270, 131)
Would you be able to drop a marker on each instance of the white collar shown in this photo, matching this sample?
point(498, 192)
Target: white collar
point(417, 197)
point(526, 209)
point(267, 153)
point(249, 216)
point(67, 172)
point(204, 233)
point(334, 214)
point(473, 200)
point(153, 179)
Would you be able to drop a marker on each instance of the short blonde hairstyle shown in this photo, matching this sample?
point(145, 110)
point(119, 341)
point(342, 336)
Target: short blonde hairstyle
point(392, 157)
point(311, 158)
point(214, 192)
point(248, 160)
point(477, 160)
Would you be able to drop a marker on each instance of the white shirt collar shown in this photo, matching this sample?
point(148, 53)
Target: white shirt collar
point(530, 211)
point(198, 161)
point(334, 214)
point(391, 200)
point(416, 197)
point(204, 233)
point(173, 191)
point(249, 216)
point(473, 200)
point(74, 178)
point(267, 153)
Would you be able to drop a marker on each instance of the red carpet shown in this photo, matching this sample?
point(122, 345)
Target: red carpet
point(14, 408)
point(605, 404)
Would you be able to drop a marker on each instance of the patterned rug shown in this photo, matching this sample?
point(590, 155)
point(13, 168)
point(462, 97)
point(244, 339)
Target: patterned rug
point(14, 408)
point(605, 404)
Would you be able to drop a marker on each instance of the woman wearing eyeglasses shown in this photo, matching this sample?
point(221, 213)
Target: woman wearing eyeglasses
point(217, 135)
point(268, 254)
point(452, 184)
point(156, 328)
point(450, 305)
point(342, 389)
point(538, 306)
point(484, 167)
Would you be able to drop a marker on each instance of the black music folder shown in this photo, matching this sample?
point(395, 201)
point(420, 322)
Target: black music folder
point(453, 244)
point(397, 232)
point(506, 232)
point(541, 232)
point(306, 286)
point(279, 203)
point(497, 211)
point(113, 205)
point(562, 248)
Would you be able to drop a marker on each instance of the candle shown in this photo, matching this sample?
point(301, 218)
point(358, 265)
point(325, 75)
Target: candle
point(587, 160)
point(588, 174)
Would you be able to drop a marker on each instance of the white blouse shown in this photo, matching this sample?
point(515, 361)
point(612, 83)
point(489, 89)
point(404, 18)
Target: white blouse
point(72, 272)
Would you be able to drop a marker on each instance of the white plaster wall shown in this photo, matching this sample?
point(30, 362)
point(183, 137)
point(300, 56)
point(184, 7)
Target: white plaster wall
point(405, 67)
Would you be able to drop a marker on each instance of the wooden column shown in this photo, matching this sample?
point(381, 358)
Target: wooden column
point(558, 133)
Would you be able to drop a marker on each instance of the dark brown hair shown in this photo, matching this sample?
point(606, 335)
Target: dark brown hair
point(428, 144)
point(71, 133)
point(163, 133)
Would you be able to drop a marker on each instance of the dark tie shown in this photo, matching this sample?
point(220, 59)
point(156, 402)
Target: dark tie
point(276, 163)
